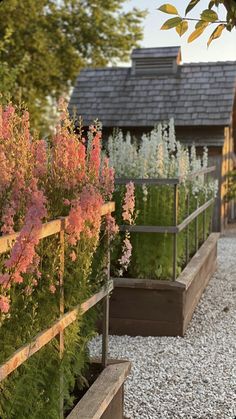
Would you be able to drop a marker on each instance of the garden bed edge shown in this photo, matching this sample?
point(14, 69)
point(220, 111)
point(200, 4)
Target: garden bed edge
point(148, 307)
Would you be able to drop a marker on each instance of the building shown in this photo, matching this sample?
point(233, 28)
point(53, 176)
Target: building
point(201, 97)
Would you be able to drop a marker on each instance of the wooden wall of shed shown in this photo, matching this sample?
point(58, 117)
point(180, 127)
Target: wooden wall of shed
point(227, 166)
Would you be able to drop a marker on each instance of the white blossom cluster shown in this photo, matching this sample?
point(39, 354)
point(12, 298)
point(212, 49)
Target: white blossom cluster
point(157, 155)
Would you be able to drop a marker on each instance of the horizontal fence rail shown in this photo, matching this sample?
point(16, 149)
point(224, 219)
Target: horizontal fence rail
point(44, 337)
point(177, 227)
point(48, 229)
point(166, 181)
point(168, 229)
point(22, 354)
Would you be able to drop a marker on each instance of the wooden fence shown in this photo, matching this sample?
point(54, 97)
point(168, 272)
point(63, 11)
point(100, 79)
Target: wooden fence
point(58, 327)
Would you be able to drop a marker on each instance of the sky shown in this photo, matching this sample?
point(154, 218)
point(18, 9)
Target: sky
point(221, 49)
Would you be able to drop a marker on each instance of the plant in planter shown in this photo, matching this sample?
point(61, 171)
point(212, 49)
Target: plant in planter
point(158, 156)
point(173, 204)
point(41, 181)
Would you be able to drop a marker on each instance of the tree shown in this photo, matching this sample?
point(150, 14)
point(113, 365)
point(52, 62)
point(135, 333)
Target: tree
point(207, 18)
point(49, 41)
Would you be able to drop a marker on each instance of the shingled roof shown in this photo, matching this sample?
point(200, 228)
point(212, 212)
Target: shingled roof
point(195, 94)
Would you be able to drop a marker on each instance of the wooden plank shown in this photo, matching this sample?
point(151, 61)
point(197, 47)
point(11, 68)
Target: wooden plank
point(146, 283)
point(101, 393)
point(198, 285)
point(162, 308)
point(191, 270)
point(146, 304)
point(116, 408)
point(44, 337)
point(108, 207)
point(62, 309)
point(145, 328)
point(48, 229)
point(192, 301)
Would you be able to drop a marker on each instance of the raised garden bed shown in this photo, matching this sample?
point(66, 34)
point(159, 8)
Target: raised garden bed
point(105, 398)
point(148, 307)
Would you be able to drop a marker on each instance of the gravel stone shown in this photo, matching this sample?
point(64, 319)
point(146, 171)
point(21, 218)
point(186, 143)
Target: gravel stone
point(190, 377)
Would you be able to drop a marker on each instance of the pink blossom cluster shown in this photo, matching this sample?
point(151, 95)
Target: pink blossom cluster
point(68, 154)
point(126, 253)
point(85, 215)
point(128, 215)
point(23, 251)
point(129, 204)
point(38, 183)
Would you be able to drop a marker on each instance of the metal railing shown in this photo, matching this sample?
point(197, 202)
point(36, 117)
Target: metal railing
point(177, 227)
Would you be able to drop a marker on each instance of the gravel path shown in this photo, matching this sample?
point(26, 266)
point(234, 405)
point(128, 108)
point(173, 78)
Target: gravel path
point(190, 377)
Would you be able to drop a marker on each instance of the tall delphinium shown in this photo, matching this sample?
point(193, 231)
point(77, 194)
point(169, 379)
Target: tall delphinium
point(23, 203)
point(157, 155)
point(40, 181)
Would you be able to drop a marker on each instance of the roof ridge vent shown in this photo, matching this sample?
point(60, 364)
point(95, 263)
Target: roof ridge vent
point(155, 61)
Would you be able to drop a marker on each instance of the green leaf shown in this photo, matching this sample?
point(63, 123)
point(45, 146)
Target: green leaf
point(211, 4)
point(171, 23)
point(168, 8)
point(216, 33)
point(191, 5)
point(209, 15)
point(195, 34)
point(201, 24)
point(182, 28)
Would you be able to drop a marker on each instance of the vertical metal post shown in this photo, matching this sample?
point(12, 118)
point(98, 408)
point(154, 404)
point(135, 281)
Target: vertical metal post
point(105, 322)
point(175, 220)
point(62, 308)
point(187, 230)
point(204, 225)
point(196, 230)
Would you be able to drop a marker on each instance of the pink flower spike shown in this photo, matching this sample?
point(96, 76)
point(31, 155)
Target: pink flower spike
point(129, 203)
point(4, 304)
point(4, 279)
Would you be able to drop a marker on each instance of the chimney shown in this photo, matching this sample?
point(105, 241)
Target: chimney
point(155, 61)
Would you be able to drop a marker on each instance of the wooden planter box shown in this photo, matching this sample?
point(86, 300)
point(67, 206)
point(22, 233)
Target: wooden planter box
point(144, 307)
point(105, 398)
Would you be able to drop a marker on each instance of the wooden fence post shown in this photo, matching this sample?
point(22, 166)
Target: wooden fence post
point(62, 309)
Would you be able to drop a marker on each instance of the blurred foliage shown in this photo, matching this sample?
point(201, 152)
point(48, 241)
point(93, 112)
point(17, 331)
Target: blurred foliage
point(45, 43)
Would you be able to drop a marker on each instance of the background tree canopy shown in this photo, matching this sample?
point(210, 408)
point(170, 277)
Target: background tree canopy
point(207, 18)
point(45, 43)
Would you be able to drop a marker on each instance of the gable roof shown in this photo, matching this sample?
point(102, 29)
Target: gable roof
point(198, 94)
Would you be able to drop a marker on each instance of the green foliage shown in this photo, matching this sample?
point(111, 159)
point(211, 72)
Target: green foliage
point(47, 42)
point(32, 391)
point(171, 23)
point(231, 186)
point(168, 8)
point(152, 253)
point(207, 18)
point(182, 27)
